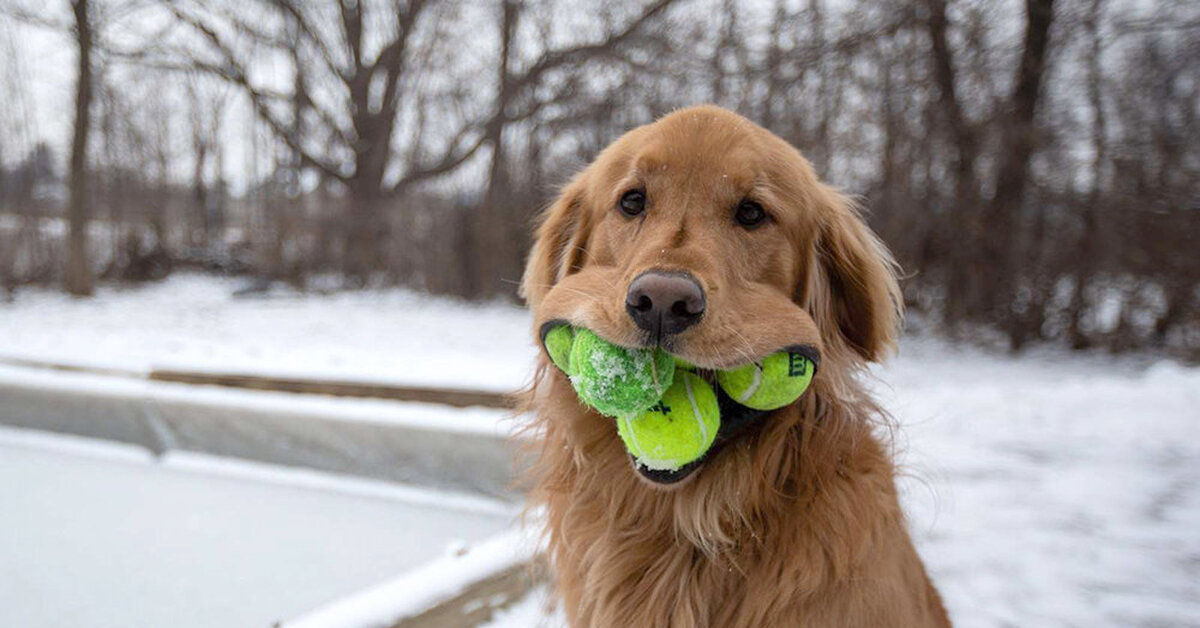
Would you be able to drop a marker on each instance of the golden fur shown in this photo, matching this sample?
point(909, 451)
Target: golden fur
point(794, 523)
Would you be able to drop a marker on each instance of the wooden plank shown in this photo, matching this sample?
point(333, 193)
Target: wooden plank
point(456, 397)
point(459, 398)
point(71, 368)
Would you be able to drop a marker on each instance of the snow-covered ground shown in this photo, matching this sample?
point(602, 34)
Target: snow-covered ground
point(196, 322)
point(100, 534)
point(1052, 492)
point(1046, 490)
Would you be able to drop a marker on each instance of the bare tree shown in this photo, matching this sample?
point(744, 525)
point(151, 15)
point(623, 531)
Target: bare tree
point(354, 144)
point(78, 278)
point(207, 105)
point(495, 263)
point(410, 141)
point(1002, 249)
point(966, 276)
point(85, 26)
point(1087, 241)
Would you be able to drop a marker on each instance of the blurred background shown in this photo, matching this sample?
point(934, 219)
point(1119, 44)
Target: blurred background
point(247, 247)
point(1036, 171)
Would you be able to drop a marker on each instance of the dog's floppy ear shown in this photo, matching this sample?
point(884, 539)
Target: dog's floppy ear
point(855, 289)
point(559, 243)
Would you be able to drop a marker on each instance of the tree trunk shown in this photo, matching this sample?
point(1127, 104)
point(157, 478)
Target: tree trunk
point(487, 264)
point(79, 270)
point(774, 60)
point(822, 143)
point(198, 231)
point(1086, 263)
point(966, 279)
point(362, 245)
point(1002, 250)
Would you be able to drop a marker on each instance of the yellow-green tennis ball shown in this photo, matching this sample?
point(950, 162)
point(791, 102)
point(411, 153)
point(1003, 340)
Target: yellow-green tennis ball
point(683, 364)
point(617, 381)
point(677, 430)
point(773, 383)
point(558, 343)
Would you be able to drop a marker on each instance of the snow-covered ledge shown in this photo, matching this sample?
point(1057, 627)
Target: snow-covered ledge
point(463, 588)
point(425, 444)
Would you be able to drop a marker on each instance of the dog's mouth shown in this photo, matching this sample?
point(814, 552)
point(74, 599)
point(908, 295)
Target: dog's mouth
point(736, 419)
point(667, 478)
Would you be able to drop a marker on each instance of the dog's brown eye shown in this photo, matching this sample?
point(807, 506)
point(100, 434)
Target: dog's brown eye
point(750, 214)
point(633, 203)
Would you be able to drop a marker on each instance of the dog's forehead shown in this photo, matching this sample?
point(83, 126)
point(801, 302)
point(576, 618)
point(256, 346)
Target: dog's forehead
point(700, 147)
point(702, 158)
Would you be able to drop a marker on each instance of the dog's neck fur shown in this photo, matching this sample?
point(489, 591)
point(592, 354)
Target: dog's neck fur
point(790, 510)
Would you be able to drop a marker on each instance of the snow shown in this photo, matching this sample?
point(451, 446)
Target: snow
point(348, 486)
point(536, 610)
point(1053, 492)
point(418, 590)
point(99, 534)
point(195, 322)
point(1049, 489)
point(1043, 491)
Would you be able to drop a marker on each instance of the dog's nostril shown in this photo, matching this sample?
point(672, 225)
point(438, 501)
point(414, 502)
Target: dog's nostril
point(644, 304)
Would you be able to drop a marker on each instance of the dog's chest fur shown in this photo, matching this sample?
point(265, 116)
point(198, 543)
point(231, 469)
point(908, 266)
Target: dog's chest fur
point(829, 551)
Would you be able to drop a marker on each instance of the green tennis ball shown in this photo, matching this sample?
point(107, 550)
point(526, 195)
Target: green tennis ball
point(678, 429)
point(682, 364)
point(558, 343)
point(618, 381)
point(774, 383)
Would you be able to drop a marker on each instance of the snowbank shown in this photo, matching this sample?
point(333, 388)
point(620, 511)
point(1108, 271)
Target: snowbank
point(194, 322)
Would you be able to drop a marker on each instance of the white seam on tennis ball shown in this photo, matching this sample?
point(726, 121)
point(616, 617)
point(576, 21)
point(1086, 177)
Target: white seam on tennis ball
point(695, 410)
point(754, 384)
point(649, 463)
point(632, 436)
point(658, 465)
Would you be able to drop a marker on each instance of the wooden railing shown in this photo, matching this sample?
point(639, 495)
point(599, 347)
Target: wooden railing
point(456, 397)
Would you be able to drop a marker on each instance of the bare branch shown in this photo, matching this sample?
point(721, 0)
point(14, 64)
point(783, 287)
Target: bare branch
point(559, 58)
point(234, 72)
point(453, 158)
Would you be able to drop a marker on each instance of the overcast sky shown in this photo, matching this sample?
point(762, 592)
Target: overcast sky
point(45, 63)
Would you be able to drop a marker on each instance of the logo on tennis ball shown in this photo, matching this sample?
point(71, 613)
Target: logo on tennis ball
point(679, 429)
point(774, 383)
point(797, 365)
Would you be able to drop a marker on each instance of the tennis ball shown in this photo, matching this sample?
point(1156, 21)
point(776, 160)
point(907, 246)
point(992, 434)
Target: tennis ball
point(558, 343)
point(677, 430)
point(773, 383)
point(682, 364)
point(618, 381)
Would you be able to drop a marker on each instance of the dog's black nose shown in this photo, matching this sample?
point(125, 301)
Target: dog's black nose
point(664, 303)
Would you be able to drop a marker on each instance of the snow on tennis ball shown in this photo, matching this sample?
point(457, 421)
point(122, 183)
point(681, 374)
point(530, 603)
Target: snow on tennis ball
point(776, 381)
point(617, 381)
point(679, 429)
point(558, 343)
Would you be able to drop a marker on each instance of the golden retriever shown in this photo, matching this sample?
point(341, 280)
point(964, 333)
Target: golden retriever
point(792, 519)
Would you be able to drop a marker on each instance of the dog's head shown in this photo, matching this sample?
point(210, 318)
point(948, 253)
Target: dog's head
point(710, 237)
